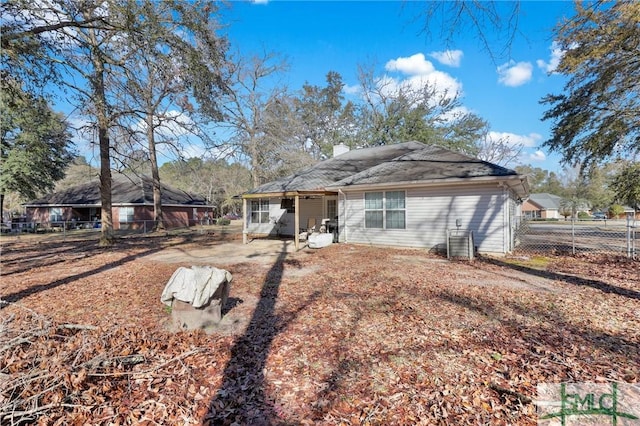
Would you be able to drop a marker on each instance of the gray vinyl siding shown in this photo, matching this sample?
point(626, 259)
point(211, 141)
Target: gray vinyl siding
point(311, 207)
point(430, 211)
point(265, 228)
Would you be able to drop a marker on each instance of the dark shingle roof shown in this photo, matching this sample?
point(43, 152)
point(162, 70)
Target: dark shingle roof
point(124, 190)
point(427, 164)
point(398, 163)
point(545, 200)
point(328, 172)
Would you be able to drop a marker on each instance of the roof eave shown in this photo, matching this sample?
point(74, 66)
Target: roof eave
point(288, 193)
point(116, 205)
point(190, 205)
point(513, 180)
point(61, 205)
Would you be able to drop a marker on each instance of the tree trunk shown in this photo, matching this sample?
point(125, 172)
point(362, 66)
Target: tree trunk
point(102, 117)
point(255, 161)
point(107, 235)
point(106, 217)
point(158, 219)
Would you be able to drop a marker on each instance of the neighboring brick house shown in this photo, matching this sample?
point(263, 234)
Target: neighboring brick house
point(542, 206)
point(132, 205)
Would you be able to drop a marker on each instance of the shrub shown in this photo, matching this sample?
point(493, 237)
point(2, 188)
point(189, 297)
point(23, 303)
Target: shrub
point(616, 210)
point(223, 221)
point(584, 216)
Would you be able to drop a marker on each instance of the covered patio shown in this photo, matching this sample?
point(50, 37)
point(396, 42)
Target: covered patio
point(289, 214)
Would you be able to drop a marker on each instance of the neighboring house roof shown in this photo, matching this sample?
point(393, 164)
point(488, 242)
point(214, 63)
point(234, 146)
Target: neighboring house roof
point(124, 191)
point(546, 201)
point(404, 163)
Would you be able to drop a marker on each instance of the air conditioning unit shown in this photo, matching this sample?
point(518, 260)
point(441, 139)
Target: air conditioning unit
point(460, 244)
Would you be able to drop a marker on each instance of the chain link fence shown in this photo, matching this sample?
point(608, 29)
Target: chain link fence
point(86, 230)
point(620, 237)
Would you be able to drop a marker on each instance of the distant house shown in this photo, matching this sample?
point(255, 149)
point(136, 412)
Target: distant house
point(132, 205)
point(542, 206)
point(407, 194)
point(629, 212)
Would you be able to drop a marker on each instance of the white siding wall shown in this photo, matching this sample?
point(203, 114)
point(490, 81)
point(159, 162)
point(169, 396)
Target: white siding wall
point(275, 213)
point(311, 207)
point(431, 211)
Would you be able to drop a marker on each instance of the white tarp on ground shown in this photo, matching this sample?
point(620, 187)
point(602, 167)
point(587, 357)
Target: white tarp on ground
point(195, 285)
point(319, 240)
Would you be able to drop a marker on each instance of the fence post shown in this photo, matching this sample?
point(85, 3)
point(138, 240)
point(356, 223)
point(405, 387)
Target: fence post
point(573, 235)
point(631, 238)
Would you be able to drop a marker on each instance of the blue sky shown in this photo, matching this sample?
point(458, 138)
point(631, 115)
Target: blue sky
point(321, 36)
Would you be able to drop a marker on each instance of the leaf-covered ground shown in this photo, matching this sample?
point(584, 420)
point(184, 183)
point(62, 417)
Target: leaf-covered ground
point(342, 335)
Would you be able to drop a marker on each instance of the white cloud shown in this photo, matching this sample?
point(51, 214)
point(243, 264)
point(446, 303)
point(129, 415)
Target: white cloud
point(513, 75)
point(351, 90)
point(421, 73)
point(537, 156)
point(413, 65)
point(528, 141)
point(448, 57)
point(554, 60)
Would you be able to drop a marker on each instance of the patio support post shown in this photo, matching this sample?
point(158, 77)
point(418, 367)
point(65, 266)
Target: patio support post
point(244, 221)
point(296, 222)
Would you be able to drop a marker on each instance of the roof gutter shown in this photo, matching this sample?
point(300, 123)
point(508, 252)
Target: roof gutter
point(84, 206)
point(61, 205)
point(513, 181)
point(319, 192)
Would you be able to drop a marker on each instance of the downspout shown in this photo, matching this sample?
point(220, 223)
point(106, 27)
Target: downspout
point(345, 215)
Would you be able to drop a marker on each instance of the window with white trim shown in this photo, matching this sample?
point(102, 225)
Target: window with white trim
point(373, 209)
point(55, 214)
point(385, 210)
point(395, 210)
point(125, 214)
point(260, 210)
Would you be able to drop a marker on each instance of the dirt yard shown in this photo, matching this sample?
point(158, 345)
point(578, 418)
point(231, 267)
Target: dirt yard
point(342, 335)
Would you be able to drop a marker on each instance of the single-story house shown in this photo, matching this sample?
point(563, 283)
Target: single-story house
point(132, 205)
point(629, 212)
point(542, 206)
point(408, 194)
